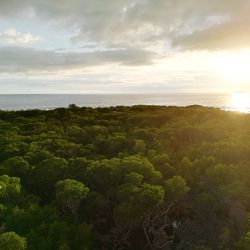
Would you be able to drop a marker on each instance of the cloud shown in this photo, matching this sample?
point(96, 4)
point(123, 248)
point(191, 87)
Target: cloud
point(192, 24)
point(229, 35)
point(129, 30)
point(104, 39)
point(13, 37)
point(21, 59)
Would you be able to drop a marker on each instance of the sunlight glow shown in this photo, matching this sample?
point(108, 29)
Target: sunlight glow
point(240, 102)
point(234, 65)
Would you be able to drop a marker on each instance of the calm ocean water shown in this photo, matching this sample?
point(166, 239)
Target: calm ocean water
point(30, 101)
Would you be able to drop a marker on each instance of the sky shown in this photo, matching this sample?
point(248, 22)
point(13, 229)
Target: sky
point(124, 46)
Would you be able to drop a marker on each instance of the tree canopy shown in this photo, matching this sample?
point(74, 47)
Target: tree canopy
point(140, 177)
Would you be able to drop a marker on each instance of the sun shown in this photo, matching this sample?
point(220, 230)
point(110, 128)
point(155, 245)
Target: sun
point(240, 102)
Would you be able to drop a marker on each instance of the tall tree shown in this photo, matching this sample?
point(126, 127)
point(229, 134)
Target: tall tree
point(69, 194)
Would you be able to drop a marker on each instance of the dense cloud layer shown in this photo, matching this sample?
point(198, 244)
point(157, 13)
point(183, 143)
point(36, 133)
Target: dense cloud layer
point(16, 59)
point(192, 24)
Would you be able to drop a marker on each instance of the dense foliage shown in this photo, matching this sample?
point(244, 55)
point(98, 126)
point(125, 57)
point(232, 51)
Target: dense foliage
point(141, 177)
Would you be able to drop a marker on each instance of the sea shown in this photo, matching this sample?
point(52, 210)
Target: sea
point(52, 101)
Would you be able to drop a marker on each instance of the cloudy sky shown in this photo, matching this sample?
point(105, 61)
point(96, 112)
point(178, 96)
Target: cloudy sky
point(132, 46)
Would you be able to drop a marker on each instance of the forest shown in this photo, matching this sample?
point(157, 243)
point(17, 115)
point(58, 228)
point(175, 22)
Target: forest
point(140, 177)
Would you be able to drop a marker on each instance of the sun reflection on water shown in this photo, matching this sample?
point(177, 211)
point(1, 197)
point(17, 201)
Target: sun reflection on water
point(240, 102)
